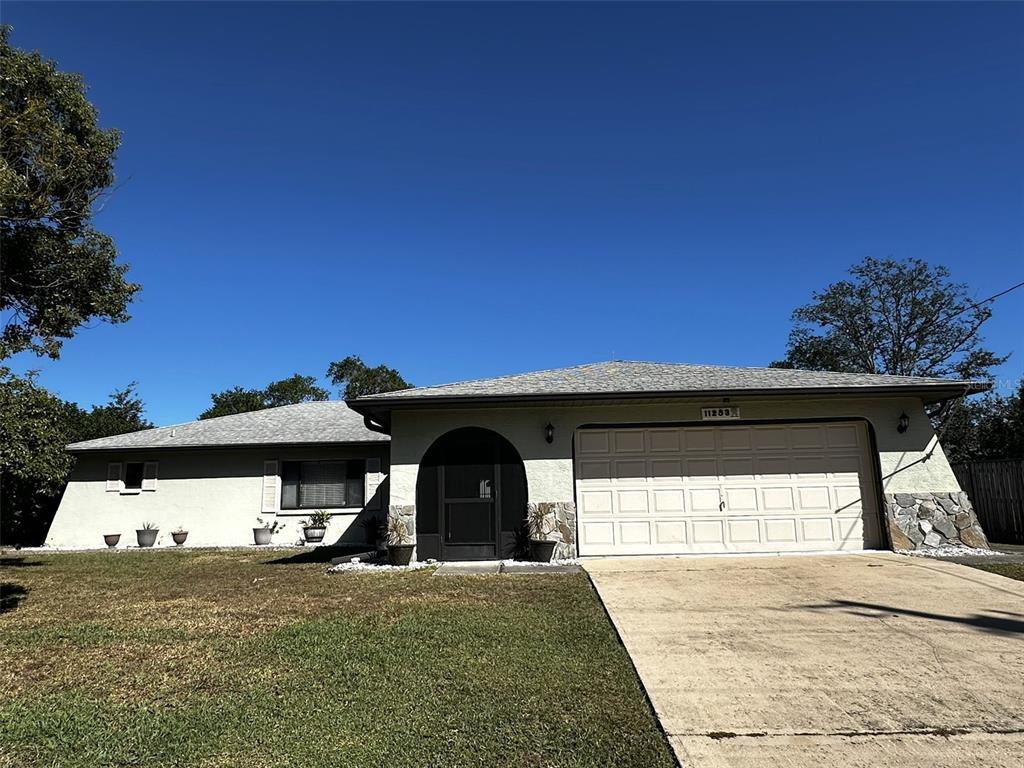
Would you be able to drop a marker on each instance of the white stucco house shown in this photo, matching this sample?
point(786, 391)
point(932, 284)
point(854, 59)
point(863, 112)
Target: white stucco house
point(623, 457)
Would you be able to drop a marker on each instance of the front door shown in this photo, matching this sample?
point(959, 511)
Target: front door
point(469, 511)
point(470, 497)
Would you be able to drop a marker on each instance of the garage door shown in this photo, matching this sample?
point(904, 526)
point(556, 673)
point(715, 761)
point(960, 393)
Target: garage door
point(760, 488)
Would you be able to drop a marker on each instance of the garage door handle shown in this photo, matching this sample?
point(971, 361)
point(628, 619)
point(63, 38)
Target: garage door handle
point(721, 506)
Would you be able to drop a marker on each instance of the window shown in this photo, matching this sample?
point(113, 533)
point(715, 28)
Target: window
point(133, 476)
point(322, 484)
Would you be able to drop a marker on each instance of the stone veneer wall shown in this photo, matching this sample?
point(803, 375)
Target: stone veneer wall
point(407, 514)
point(561, 517)
point(922, 521)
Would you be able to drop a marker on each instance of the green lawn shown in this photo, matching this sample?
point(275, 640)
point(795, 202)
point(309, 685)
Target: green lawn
point(208, 658)
point(1010, 570)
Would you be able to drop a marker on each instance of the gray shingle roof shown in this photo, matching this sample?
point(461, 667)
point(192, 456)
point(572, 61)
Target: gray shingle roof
point(329, 421)
point(622, 377)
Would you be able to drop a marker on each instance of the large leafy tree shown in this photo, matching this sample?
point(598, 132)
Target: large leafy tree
point(988, 427)
point(35, 426)
point(904, 318)
point(356, 378)
point(56, 271)
point(294, 389)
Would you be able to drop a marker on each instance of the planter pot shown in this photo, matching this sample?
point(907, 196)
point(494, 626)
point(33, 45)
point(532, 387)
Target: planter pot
point(261, 535)
point(400, 554)
point(111, 539)
point(147, 538)
point(314, 534)
point(541, 551)
point(179, 537)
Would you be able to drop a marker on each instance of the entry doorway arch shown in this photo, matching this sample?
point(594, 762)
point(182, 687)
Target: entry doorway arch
point(470, 497)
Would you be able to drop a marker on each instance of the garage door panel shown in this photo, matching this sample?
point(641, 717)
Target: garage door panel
point(740, 499)
point(780, 531)
point(737, 468)
point(743, 532)
point(699, 440)
point(592, 441)
point(631, 469)
point(596, 502)
point(705, 500)
point(631, 502)
point(726, 488)
point(589, 469)
point(628, 441)
point(669, 532)
point(702, 469)
point(635, 532)
point(666, 470)
point(665, 440)
point(709, 532)
point(668, 502)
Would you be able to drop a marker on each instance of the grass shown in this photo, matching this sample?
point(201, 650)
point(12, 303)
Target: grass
point(1010, 570)
point(218, 658)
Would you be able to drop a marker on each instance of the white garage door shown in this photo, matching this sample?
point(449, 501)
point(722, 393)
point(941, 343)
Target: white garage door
point(762, 488)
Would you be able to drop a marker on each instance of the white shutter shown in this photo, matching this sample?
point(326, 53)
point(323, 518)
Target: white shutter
point(373, 481)
point(114, 476)
point(149, 476)
point(271, 486)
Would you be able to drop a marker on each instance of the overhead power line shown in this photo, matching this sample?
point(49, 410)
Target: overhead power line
point(993, 297)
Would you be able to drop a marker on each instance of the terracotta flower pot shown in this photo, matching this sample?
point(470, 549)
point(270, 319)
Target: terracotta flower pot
point(541, 551)
point(111, 539)
point(400, 554)
point(261, 535)
point(314, 534)
point(179, 537)
point(147, 536)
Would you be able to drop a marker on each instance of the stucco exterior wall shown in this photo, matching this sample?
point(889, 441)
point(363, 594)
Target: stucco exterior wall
point(549, 471)
point(215, 494)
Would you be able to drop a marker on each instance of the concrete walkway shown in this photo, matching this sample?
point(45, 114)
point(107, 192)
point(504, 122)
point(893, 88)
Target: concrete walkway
point(851, 660)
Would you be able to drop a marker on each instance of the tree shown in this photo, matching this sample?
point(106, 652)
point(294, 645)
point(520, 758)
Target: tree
point(295, 389)
point(988, 427)
point(901, 318)
point(35, 427)
point(356, 378)
point(122, 414)
point(57, 272)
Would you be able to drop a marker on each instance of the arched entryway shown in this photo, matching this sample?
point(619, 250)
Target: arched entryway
point(470, 497)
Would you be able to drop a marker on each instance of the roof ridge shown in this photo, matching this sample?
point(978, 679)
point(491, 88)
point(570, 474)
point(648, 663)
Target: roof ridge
point(491, 378)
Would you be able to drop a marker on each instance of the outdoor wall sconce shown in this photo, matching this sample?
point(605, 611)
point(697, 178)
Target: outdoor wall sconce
point(903, 424)
point(549, 433)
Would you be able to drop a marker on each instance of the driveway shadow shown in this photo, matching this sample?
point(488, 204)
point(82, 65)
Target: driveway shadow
point(996, 622)
point(11, 596)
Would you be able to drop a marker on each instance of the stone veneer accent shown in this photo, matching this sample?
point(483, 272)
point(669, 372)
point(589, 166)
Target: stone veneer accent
point(407, 514)
point(561, 517)
point(930, 520)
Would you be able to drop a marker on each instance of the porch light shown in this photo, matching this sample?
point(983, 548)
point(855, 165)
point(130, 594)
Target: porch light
point(549, 433)
point(903, 424)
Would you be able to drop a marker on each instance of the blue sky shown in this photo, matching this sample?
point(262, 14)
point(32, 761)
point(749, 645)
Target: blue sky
point(475, 189)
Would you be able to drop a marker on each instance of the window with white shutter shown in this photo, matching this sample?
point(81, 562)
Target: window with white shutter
point(271, 483)
point(374, 478)
point(114, 476)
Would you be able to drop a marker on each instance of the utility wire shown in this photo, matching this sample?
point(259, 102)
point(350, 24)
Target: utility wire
point(993, 297)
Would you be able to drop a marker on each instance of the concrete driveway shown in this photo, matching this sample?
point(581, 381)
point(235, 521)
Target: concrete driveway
point(850, 660)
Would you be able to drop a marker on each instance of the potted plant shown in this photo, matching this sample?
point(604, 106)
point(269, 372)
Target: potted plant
point(263, 533)
point(111, 539)
point(314, 528)
point(541, 525)
point(147, 534)
point(179, 536)
point(400, 543)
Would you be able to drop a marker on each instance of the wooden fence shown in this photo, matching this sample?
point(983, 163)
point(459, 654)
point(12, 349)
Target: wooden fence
point(996, 489)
